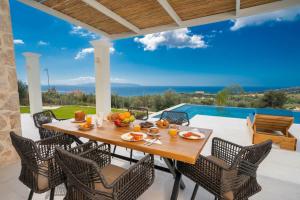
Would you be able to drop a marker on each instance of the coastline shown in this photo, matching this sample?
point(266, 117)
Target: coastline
point(153, 90)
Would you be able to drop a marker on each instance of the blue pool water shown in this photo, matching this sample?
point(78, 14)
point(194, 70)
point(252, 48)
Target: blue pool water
point(233, 112)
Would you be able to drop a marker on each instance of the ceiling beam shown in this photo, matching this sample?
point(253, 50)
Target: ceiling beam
point(237, 7)
point(98, 6)
point(270, 7)
point(62, 16)
point(168, 8)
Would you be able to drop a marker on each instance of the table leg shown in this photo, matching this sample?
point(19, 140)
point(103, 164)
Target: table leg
point(176, 185)
point(171, 166)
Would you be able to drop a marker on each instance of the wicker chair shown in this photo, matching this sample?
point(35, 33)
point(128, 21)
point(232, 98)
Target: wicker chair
point(140, 114)
point(39, 170)
point(230, 172)
point(176, 117)
point(91, 176)
point(45, 117)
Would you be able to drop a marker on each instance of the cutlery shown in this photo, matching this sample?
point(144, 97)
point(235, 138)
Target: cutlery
point(148, 141)
point(154, 140)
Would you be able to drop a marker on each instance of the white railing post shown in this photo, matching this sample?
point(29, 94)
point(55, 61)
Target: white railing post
point(34, 81)
point(102, 75)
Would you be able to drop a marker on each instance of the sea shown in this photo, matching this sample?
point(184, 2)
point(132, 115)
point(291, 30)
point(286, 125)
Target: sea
point(150, 90)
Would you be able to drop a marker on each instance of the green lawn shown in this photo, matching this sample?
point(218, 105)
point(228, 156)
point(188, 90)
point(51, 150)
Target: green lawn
point(68, 111)
point(24, 109)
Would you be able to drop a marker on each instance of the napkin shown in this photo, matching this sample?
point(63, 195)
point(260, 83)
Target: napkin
point(156, 142)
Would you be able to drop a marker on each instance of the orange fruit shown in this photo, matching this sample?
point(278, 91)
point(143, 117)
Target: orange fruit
point(127, 114)
point(114, 116)
point(122, 116)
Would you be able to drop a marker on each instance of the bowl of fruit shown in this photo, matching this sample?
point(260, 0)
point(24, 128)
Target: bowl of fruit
point(122, 119)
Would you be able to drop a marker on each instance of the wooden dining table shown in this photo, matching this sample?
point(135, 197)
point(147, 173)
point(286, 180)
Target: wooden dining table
point(171, 149)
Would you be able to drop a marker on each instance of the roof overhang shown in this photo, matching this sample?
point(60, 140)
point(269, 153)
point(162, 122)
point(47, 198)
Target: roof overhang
point(128, 18)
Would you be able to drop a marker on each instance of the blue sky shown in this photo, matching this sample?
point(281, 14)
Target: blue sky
point(261, 50)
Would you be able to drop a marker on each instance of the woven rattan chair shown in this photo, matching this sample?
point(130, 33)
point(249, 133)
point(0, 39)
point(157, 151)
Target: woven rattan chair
point(45, 117)
point(176, 117)
point(39, 170)
point(140, 114)
point(230, 172)
point(91, 176)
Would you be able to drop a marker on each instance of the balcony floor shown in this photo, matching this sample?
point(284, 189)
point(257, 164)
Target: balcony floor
point(279, 174)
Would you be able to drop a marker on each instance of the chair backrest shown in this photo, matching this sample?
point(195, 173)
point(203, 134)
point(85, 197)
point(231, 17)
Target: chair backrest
point(176, 117)
point(26, 149)
point(43, 117)
point(78, 169)
point(252, 156)
point(139, 113)
point(258, 152)
point(273, 123)
point(272, 111)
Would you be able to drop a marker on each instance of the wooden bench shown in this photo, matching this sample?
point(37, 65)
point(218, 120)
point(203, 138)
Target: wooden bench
point(276, 128)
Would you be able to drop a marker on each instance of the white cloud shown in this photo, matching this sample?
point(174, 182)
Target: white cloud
point(112, 50)
point(84, 52)
point(84, 80)
point(180, 38)
point(256, 20)
point(43, 43)
point(18, 41)
point(118, 80)
point(78, 30)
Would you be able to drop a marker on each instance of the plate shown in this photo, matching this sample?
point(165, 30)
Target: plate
point(153, 134)
point(85, 129)
point(74, 121)
point(193, 137)
point(146, 124)
point(127, 137)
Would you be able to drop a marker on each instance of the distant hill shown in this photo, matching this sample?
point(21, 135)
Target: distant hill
point(289, 90)
point(93, 85)
point(125, 85)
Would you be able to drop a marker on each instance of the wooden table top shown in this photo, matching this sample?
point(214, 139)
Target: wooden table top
point(176, 148)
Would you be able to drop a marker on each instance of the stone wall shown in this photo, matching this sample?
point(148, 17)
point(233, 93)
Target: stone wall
point(9, 99)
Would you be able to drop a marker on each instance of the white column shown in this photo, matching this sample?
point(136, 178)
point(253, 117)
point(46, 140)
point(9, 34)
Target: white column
point(102, 75)
point(34, 81)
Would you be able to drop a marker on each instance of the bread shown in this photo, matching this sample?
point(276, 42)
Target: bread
point(79, 116)
point(153, 130)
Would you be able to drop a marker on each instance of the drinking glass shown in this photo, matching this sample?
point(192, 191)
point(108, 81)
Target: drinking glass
point(99, 119)
point(89, 120)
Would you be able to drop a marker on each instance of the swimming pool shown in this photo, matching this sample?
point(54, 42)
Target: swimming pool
point(233, 112)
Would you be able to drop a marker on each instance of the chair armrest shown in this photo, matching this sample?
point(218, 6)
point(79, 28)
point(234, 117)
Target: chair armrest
point(247, 168)
point(225, 150)
point(135, 180)
point(203, 170)
point(98, 153)
point(46, 147)
point(61, 119)
point(79, 149)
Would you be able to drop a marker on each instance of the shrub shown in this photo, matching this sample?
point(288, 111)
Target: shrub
point(272, 99)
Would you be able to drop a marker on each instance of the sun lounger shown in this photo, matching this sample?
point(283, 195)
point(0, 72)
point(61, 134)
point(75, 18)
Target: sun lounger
point(264, 125)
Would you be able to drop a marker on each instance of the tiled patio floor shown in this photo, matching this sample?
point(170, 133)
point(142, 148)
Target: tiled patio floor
point(279, 175)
